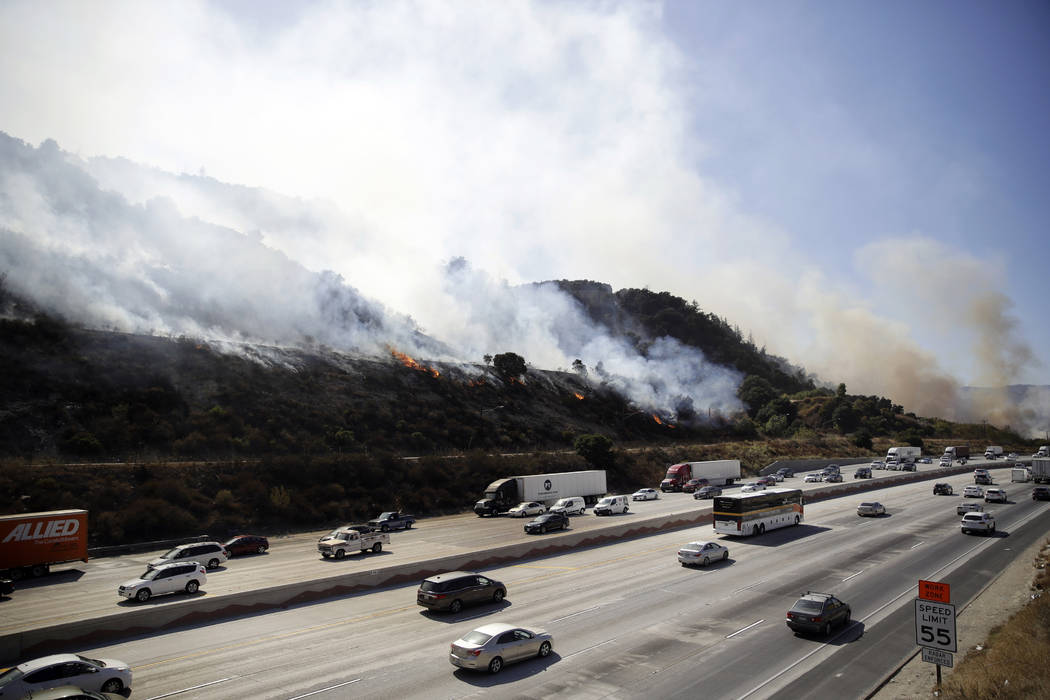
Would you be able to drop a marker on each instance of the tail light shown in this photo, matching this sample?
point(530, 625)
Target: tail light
point(815, 619)
point(475, 652)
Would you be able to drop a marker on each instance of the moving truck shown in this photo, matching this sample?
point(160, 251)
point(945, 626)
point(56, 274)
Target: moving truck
point(903, 454)
point(503, 494)
point(1043, 451)
point(1019, 474)
point(1041, 470)
point(956, 452)
point(718, 472)
point(31, 542)
point(993, 452)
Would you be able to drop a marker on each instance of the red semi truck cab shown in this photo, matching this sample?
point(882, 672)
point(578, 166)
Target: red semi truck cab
point(31, 542)
point(677, 475)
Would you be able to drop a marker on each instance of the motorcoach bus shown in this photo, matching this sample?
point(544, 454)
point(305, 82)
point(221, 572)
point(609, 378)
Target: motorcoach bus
point(754, 513)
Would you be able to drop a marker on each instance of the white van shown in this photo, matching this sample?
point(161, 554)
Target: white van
point(611, 504)
point(573, 505)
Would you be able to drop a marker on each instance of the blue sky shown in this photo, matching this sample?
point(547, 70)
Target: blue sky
point(859, 186)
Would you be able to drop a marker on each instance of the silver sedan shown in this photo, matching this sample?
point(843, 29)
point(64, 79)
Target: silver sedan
point(493, 646)
point(872, 508)
point(702, 553)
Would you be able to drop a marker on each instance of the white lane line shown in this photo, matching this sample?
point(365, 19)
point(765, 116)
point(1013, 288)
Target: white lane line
point(745, 629)
point(917, 544)
point(186, 690)
point(852, 575)
point(566, 617)
point(569, 656)
point(325, 690)
point(750, 586)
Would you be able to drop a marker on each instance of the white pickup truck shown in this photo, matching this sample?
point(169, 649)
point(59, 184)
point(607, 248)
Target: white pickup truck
point(343, 541)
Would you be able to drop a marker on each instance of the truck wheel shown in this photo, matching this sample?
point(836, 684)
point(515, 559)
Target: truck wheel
point(408, 525)
point(377, 548)
point(340, 553)
point(39, 570)
point(16, 574)
point(192, 586)
point(143, 595)
point(384, 528)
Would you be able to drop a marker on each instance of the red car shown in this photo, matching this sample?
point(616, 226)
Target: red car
point(694, 484)
point(767, 480)
point(247, 544)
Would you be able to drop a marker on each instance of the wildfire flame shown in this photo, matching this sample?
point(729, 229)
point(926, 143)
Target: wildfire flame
point(409, 362)
point(657, 419)
point(578, 395)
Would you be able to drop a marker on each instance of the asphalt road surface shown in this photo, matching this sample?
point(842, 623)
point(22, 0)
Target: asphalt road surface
point(628, 621)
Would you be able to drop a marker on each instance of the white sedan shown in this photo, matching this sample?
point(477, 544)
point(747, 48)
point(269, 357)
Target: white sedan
point(753, 486)
point(702, 553)
point(778, 476)
point(645, 495)
point(810, 478)
point(102, 675)
point(529, 508)
point(973, 492)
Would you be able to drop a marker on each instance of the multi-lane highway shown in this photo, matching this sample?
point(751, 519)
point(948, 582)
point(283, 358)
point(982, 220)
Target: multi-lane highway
point(81, 591)
point(627, 620)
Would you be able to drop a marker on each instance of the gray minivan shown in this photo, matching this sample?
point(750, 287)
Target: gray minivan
point(452, 590)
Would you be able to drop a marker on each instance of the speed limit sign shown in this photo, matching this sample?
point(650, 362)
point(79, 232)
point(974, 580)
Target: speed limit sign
point(935, 625)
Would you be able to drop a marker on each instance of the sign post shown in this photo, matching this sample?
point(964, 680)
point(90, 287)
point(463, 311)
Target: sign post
point(935, 624)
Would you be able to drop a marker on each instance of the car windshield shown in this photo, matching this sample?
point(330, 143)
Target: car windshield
point(476, 637)
point(10, 676)
point(605, 502)
point(170, 554)
point(385, 516)
point(809, 605)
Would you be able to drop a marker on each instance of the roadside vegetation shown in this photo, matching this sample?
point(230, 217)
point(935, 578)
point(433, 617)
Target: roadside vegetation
point(1012, 663)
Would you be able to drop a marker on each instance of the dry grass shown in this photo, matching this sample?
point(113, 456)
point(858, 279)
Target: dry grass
point(1015, 660)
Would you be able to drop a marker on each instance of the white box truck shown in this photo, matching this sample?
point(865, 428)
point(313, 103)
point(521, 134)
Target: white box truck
point(718, 472)
point(905, 454)
point(993, 452)
point(1041, 470)
point(503, 494)
point(1019, 475)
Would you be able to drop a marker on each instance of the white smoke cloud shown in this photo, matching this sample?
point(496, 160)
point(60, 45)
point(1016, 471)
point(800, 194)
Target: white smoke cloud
point(539, 140)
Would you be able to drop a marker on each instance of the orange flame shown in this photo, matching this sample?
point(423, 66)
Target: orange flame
point(409, 362)
point(578, 395)
point(657, 419)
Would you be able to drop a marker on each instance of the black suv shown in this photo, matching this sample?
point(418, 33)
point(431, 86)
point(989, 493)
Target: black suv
point(1041, 493)
point(982, 476)
point(862, 473)
point(942, 490)
point(817, 612)
point(547, 522)
point(453, 590)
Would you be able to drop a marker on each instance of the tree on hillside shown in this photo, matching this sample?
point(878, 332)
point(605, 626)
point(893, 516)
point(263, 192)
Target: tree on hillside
point(845, 418)
point(509, 365)
point(756, 392)
point(596, 449)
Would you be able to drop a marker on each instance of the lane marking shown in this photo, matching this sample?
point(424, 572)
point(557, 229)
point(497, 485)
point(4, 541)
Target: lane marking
point(599, 644)
point(559, 619)
point(749, 586)
point(852, 575)
point(745, 629)
point(324, 690)
point(186, 690)
point(916, 545)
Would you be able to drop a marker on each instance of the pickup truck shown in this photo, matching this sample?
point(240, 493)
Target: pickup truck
point(345, 541)
point(392, 520)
